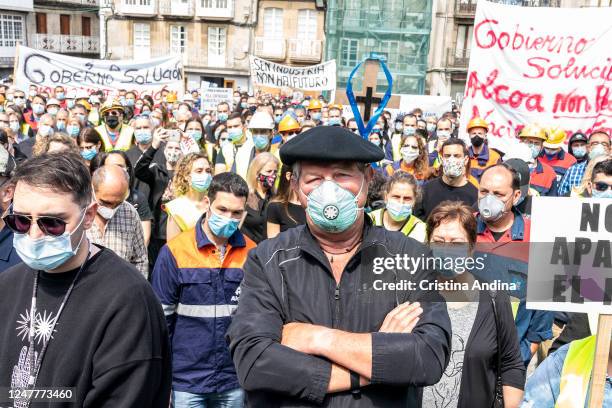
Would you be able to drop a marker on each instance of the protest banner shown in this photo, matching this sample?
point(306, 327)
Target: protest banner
point(570, 262)
point(321, 77)
point(429, 104)
point(48, 69)
point(550, 66)
point(212, 96)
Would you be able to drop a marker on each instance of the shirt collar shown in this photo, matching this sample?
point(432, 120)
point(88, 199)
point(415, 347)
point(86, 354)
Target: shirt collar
point(236, 240)
point(484, 153)
point(539, 168)
point(517, 230)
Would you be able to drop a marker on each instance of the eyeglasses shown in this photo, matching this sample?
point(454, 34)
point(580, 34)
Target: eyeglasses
point(602, 186)
point(21, 224)
point(289, 133)
point(604, 144)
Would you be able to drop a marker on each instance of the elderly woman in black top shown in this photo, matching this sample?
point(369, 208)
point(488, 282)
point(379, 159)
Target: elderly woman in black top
point(478, 354)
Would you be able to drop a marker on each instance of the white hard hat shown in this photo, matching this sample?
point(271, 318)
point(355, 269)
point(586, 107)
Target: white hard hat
point(82, 94)
point(261, 120)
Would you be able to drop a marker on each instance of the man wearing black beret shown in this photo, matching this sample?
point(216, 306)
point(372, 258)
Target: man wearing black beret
point(322, 318)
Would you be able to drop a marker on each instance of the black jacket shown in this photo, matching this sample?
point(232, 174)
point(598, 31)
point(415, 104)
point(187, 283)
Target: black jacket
point(289, 279)
point(157, 176)
point(479, 366)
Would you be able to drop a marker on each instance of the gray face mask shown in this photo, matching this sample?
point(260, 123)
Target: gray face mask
point(491, 208)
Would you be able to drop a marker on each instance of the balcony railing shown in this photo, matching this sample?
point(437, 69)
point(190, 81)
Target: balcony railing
point(137, 7)
point(270, 48)
point(88, 3)
point(465, 8)
point(305, 50)
point(176, 8)
point(70, 44)
point(203, 10)
point(458, 58)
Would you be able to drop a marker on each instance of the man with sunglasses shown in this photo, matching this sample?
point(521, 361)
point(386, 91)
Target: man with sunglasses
point(600, 185)
point(76, 316)
point(115, 134)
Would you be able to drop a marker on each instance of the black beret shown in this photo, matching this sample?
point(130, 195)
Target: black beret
point(329, 143)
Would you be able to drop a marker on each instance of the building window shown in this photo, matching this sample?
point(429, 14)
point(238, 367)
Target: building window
point(216, 46)
point(307, 25)
point(11, 30)
point(41, 23)
point(142, 41)
point(138, 2)
point(86, 26)
point(178, 39)
point(214, 4)
point(464, 40)
point(390, 49)
point(273, 23)
point(64, 24)
point(349, 48)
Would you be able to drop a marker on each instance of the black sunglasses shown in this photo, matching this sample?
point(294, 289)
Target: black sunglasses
point(601, 186)
point(21, 224)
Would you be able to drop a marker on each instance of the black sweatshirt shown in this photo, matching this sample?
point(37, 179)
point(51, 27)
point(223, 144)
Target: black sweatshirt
point(110, 343)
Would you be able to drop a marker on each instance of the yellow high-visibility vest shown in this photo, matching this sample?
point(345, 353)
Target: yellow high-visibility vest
point(576, 373)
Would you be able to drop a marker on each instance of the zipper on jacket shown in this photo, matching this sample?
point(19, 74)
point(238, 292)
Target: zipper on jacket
point(336, 306)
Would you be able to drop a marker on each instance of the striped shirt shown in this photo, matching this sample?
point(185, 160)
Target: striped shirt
point(572, 178)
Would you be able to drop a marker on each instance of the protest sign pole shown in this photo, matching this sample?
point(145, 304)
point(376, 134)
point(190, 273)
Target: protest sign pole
point(600, 365)
point(16, 62)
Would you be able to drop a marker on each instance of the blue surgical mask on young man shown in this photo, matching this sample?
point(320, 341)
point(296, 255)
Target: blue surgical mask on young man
point(333, 208)
point(260, 141)
point(234, 134)
point(222, 226)
point(143, 136)
point(579, 152)
point(48, 252)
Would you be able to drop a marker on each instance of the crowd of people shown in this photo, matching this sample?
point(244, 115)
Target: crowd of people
point(255, 227)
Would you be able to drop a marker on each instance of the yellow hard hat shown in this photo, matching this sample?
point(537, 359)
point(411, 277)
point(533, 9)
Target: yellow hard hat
point(533, 130)
point(314, 104)
point(110, 105)
point(477, 123)
point(171, 97)
point(556, 137)
point(336, 106)
point(288, 123)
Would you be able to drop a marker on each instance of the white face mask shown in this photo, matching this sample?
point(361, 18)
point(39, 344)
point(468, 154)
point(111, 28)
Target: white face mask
point(107, 213)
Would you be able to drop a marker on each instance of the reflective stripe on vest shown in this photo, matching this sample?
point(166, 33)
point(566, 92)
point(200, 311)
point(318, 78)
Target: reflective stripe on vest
point(515, 306)
point(576, 373)
point(124, 141)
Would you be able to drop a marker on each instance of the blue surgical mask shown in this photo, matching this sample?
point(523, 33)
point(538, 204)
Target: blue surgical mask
point(200, 182)
point(70, 103)
point(195, 135)
point(222, 117)
point(60, 125)
point(550, 153)
point(579, 152)
point(316, 116)
point(222, 226)
point(409, 131)
point(88, 154)
point(431, 127)
point(73, 130)
point(535, 150)
point(277, 119)
point(60, 96)
point(47, 253)
point(601, 194)
point(334, 121)
point(260, 141)
point(234, 134)
point(398, 211)
point(143, 136)
point(333, 208)
point(15, 127)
